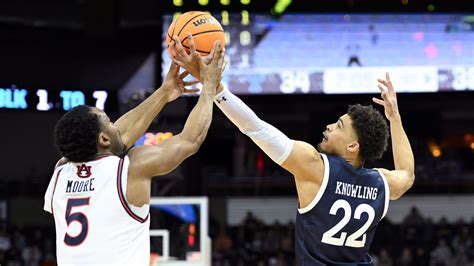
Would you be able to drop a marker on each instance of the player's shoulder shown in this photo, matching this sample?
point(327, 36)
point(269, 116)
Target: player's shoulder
point(140, 157)
point(305, 151)
point(136, 154)
point(336, 161)
point(399, 181)
point(385, 174)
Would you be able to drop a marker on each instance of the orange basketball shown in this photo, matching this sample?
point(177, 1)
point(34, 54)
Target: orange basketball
point(204, 28)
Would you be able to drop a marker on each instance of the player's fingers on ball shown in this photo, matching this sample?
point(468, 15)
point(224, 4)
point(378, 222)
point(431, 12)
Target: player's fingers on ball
point(215, 56)
point(173, 51)
point(181, 52)
point(218, 47)
point(177, 62)
point(192, 46)
point(176, 40)
point(213, 51)
point(220, 53)
point(194, 55)
point(177, 54)
point(198, 58)
point(211, 56)
point(178, 44)
point(184, 53)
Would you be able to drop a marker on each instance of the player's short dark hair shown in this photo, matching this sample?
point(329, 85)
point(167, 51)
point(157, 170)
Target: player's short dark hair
point(75, 134)
point(372, 130)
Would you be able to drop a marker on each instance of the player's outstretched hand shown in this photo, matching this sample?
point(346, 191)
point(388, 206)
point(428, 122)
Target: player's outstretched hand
point(211, 74)
point(188, 61)
point(174, 85)
point(389, 98)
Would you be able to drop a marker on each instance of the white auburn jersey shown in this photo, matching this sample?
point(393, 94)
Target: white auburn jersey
point(94, 223)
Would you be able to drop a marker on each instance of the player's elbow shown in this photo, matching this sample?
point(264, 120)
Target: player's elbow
point(194, 138)
point(189, 146)
point(410, 177)
point(405, 186)
point(192, 148)
point(410, 181)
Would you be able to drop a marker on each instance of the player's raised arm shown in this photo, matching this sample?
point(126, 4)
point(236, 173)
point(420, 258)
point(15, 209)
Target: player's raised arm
point(401, 179)
point(149, 161)
point(135, 122)
point(298, 157)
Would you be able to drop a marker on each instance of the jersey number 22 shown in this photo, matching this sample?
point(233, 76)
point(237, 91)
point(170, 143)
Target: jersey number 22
point(328, 236)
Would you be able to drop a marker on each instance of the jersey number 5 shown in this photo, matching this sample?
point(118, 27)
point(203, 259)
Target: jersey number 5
point(352, 241)
point(76, 217)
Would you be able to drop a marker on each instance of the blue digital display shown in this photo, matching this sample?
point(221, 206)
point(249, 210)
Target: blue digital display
point(344, 53)
point(50, 100)
point(72, 98)
point(13, 98)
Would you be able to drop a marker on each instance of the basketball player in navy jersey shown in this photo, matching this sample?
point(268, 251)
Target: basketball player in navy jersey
point(99, 194)
point(340, 201)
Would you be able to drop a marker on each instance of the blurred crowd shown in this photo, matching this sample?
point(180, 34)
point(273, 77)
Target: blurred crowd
point(27, 246)
point(415, 242)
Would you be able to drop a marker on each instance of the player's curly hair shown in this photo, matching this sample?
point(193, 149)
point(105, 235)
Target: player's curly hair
point(75, 134)
point(372, 130)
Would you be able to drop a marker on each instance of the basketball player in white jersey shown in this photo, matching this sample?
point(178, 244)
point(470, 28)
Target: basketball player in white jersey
point(99, 194)
point(340, 201)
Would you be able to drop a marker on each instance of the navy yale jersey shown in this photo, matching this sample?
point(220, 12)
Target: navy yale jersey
point(337, 227)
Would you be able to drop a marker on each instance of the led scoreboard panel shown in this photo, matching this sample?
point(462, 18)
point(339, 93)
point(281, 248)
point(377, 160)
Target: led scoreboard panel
point(337, 53)
point(44, 100)
point(235, 17)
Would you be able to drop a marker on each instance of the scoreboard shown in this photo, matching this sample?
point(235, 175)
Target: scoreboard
point(303, 53)
point(274, 6)
point(236, 18)
point(45, 99)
